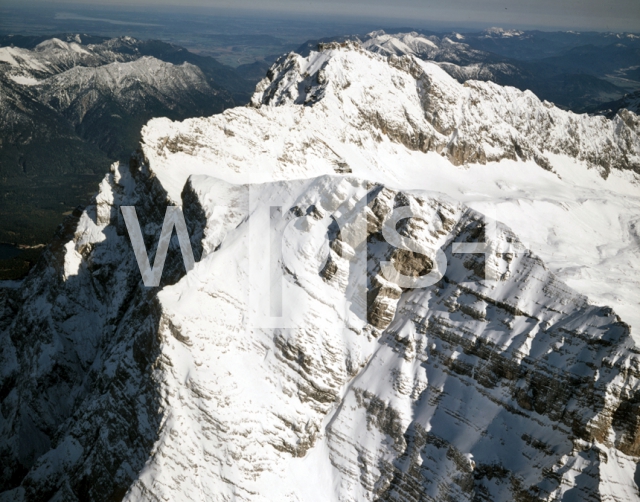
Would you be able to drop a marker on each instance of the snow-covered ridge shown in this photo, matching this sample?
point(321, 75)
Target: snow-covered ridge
point(428, 47)
point(404, 43)
point(471, 122)
point(55, 56)
point(53, 88)
point(502, 33)
point(484, 56)
point(450, 52)
point(129, 83)
point(147, 70)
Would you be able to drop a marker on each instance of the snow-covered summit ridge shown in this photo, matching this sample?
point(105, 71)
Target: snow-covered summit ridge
point(474, 122)
point(450, 48)
point(402, 43)
point(514, 58)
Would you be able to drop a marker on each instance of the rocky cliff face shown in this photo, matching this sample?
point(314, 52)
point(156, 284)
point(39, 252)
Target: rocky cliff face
point(516, 388)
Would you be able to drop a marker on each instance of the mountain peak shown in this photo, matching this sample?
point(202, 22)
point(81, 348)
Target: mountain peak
point(502, 33)
point(55, 44)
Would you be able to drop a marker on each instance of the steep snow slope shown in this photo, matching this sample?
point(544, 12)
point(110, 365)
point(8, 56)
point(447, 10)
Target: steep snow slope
point(407, 123)
point(513, 389)
point(462, 390)
point(439, 404)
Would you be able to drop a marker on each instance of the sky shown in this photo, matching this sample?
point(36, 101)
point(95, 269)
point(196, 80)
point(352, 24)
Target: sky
point(615, 15)
point(597, 15)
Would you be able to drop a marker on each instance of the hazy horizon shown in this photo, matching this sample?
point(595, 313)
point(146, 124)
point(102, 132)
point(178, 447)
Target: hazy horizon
point(545, 15)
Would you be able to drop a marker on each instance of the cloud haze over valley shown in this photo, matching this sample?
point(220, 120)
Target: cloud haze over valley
point(614, 15)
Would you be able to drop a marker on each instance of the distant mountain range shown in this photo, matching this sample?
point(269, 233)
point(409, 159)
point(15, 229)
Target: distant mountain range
point(73, 104)
point(629, 101)
point(98, 96)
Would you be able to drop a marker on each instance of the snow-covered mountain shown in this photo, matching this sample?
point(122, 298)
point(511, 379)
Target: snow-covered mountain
point(451, 49)
point(104, 105)
point(523, 388)
point(55, 56)
point(474, 122)
point(132, 82)
point(108, 101)
point(515, 147)
point(455, 56)
point(575, 79)
point(25, 60)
